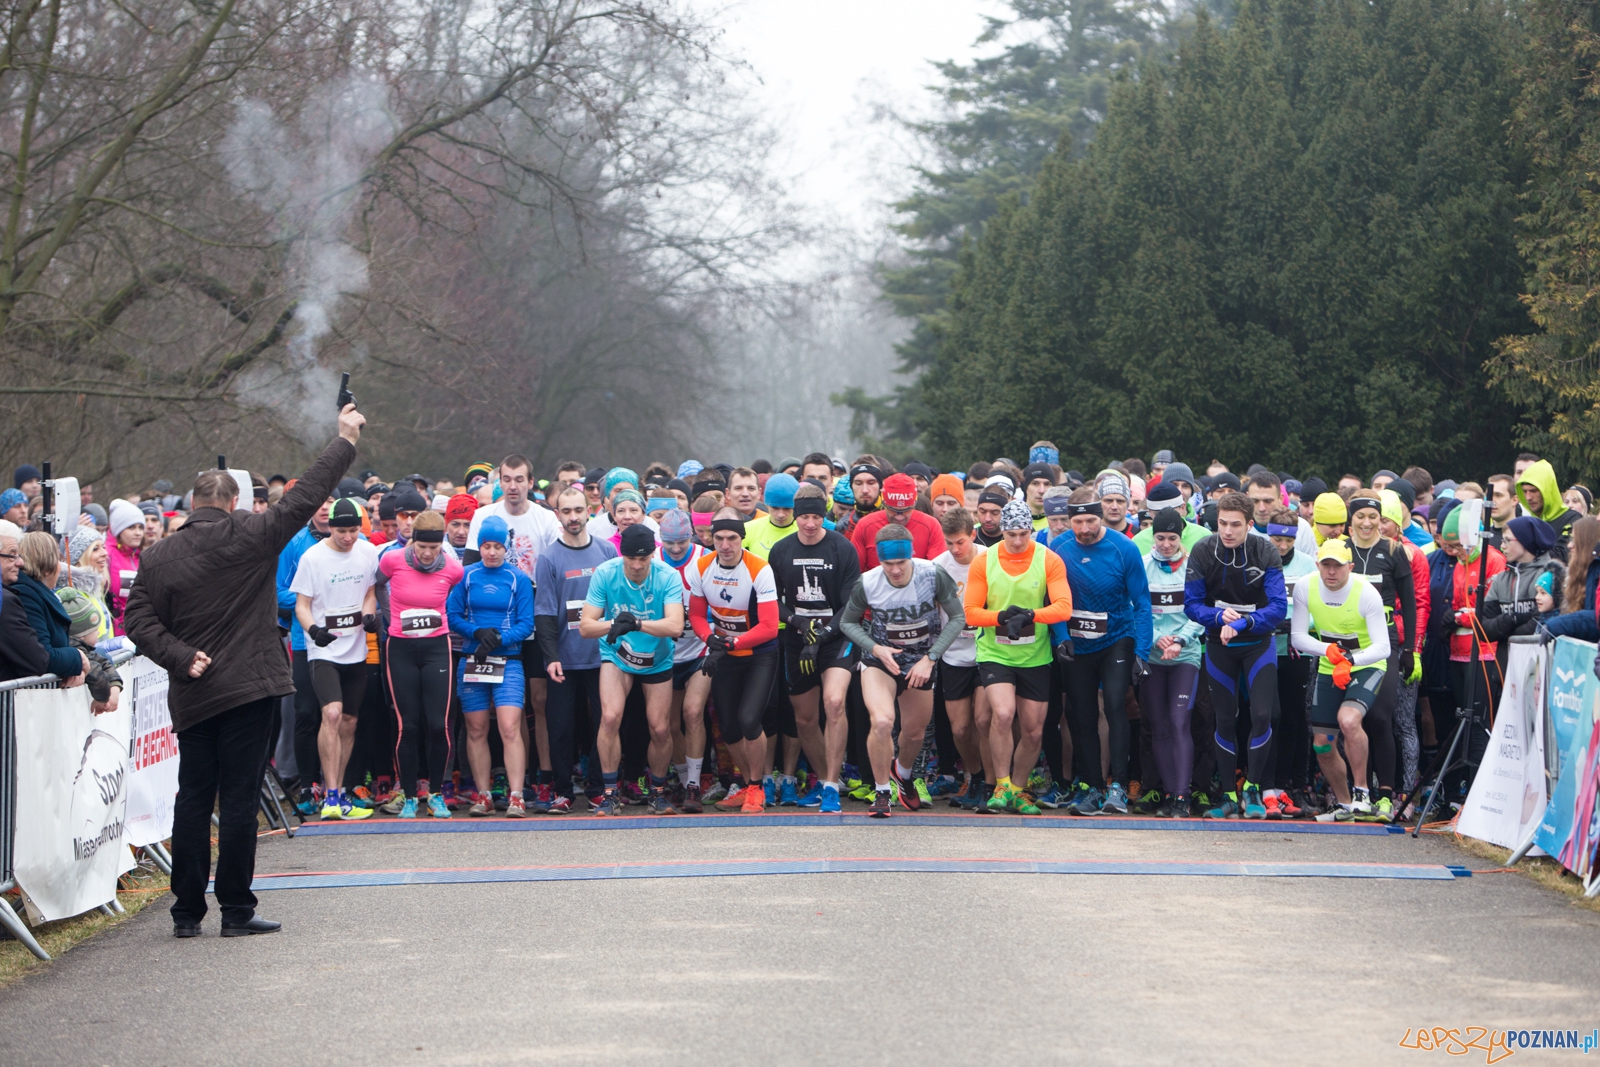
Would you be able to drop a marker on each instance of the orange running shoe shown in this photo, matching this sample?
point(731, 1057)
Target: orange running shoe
point(755, 800)
point(735, 799)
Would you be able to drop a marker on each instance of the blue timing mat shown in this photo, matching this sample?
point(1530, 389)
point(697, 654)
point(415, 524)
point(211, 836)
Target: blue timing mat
point(735, 868)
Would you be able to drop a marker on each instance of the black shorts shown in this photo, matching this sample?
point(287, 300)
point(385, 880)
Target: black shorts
point(682, 672)
point(1326, 698)
point(839, 652)
point(339, 683)
point(657, 678)
point(1032, 683)
point(956, 682)
point(906, 661)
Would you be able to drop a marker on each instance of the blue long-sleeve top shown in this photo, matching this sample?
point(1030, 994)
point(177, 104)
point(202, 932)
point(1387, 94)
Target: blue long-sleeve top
point(1582, 623)
point(494, 598)
point(1107, 576)
point(1248, 579)
point(288, 563)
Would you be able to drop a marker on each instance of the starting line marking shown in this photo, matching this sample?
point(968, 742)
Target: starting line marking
point(845, 865)
point(537, 823)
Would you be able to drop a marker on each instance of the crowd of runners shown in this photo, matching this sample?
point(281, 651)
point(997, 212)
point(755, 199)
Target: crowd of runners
point(813, 634)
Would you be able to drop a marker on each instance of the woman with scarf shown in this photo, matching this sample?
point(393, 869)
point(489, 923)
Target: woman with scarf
point(1167, 694)
point(420, 578)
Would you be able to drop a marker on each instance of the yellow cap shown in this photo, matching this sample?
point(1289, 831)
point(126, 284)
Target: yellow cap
point(1334, 548)
point(1330, 510)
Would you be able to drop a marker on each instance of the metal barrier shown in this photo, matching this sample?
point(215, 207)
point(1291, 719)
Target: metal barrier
point(8, 797)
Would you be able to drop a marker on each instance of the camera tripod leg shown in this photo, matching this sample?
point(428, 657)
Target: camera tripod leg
point(1446, 763)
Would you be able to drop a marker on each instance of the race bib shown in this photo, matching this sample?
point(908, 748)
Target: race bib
point(639, 661)
point(907, 634)
point(574, 613)
point(1166, 601)
point(1375, 579)
point(1242, 609)
point(343, 621)
point(1089, 625)
point(125, 581)
point(419, 620)
point(822, 615)
point(730, 624)
point(492, 671)
point(1348, 642)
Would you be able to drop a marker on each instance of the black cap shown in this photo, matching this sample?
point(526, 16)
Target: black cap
point(376, 487)
point(918, 470)
point(679, 485)
point(351, 487)
point(1312, 488)
point(1227, 480)
point(386, 508)
point(278, 479)
point(1167, 520)
point(1038, 470)
point(638, 540)
point(408, 499)
point(1407, 492)
point(595, 477)
point(345, 512)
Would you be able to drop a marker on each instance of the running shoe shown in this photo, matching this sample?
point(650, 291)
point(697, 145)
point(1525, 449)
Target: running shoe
point(921, 788)
point(691, 804)
point(1116, 801)
point(542, 799)
point(1228, 809)
point(1174, 808)
point(980, 803)
point(1148, 803)
point(382, 789)
point(610, 804)
point(408, 808)
point(307, 806)
point(631, 794)
point(769, 786)
point(862, 791)
point(1270, 801)
point(1290, 806)
point(967, 799)
point(347, 810)
point(1055, 796)
point(1340, 813)
point(715, 793)
point(560, 805)
point(1382, 811)
point(1360, 803)
point(360, 797)
point(1201, 800)
point(484, 806)
point(830, 801)
point(999, 800)
point(436, 806)
point(1253, 807)
point(734, 800)
point(754, 801)
point(788, 792)
point(944, 785)
point(1038, 779)
point(1086, 801)
point(396, 801)
point(1022, 802)
point(658, 804)
point(515, 807)
point(903, 792)
point(813, 796)
point(448, 793)
point(882, 804)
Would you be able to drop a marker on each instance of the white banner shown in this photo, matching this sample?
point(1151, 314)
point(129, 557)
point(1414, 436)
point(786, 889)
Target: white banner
point(72, 796)
point(1507, 798)
point(153, 763)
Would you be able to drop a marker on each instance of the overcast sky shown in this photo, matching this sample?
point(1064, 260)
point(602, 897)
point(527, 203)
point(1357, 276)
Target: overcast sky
point(826, 65)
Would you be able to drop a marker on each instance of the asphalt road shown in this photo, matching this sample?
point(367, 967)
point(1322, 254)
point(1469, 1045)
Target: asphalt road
point(851, 968)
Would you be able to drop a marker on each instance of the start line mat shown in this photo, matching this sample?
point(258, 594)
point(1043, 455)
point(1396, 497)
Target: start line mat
point(848, 865)
point(538, 823)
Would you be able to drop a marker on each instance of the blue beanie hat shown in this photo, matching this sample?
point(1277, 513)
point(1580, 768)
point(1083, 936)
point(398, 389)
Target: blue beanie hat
point(494, 529)
point(780, 491)
point(615, 477)
point(1534, 534)
point(12, 497)
point(842, 493)
point(676, 525)
point(689, 468)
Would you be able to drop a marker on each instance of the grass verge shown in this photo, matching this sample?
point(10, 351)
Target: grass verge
point(1541, 869)
point(139, 888)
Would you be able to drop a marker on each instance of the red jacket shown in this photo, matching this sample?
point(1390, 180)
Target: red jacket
point(1464, 593)
point(927, 537)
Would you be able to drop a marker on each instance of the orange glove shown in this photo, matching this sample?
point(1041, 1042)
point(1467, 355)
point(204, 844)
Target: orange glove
point(1341, 665)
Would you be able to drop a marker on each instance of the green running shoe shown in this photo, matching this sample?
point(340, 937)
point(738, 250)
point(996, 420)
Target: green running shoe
point(1228, 809)
point(1000, 799)
point(1022, 802)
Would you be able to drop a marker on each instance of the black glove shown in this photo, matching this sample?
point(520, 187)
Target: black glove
point(718, 643)
point(1019, 621)
point(808, 658)
point(285, 616)
point(1141, 670)
point(321, 635)
point(712, 660)
point(1064, 651)
point(369, 623)
point(488, 640)
point(1003, 616)
point(1545, 636)
point(1408, 660)
point(625, 623)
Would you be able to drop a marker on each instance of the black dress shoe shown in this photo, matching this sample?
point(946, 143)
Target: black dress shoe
point(257, 925)
point(185, 929)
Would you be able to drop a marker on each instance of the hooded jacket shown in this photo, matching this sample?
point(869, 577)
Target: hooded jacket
point(1542, 477)
point(123, 565)
point(1508, 605)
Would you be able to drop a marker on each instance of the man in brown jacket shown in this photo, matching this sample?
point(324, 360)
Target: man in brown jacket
point(205, 608)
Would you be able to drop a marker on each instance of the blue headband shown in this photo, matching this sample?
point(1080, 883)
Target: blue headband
point(1276, 530)
point(1044, 454)
point(896, 549)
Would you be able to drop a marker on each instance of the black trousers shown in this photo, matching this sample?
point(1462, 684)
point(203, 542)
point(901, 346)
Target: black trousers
point(561, 718)
point(221, 761)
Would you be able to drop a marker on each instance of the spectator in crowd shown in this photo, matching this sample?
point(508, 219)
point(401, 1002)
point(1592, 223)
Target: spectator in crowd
point(28, 479)
point(34, 584)
point(14, 507)
point(21, 654)
point(124, 539)
point(88, 619)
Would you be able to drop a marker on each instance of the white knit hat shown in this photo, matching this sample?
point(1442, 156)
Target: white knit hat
point(123, 515)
